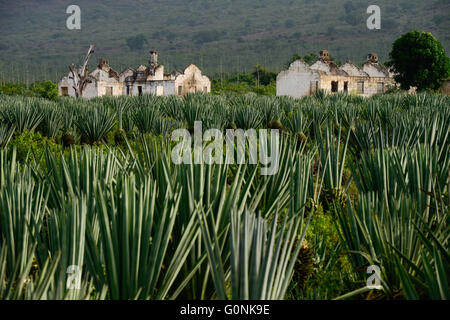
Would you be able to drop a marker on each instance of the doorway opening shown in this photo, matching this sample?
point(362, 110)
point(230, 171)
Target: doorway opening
point(334, 86)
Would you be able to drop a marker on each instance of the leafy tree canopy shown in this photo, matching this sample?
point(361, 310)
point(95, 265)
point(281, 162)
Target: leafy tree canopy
point(419, 60)
point(263, 76)
point(44, 89)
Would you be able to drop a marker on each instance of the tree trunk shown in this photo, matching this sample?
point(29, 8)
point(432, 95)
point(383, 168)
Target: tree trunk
point(80, 76)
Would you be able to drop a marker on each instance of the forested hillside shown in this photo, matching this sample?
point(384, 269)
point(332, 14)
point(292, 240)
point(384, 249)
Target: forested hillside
point(220, 36)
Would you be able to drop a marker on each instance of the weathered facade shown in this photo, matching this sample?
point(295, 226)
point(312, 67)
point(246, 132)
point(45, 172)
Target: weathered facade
point(301, 79)
point(149, 79)
point(191, 81)
point(103, 81)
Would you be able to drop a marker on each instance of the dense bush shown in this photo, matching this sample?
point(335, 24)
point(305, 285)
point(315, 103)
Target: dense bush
point(260, 81)
point(43, 89)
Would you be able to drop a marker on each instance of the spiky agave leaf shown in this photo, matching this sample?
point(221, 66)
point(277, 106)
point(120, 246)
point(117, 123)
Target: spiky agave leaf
point(22, 114)
point(6, 132)
point(95, 123)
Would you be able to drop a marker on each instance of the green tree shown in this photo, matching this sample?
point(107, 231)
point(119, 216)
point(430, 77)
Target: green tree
point(45, 89)
point(19, 89)
point(263, 76)
point(419, 60)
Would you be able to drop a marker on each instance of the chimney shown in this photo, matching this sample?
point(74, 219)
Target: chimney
point(153, 62)
point(324, 55)
point(372, 57)
point(103, 63)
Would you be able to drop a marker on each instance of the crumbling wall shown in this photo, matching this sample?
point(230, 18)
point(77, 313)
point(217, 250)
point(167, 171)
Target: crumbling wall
point(159, 74)
point(298, 81)
point(104, 81)
point(192, 81)
point(65, 82)
point(301, 80)
point(375, 70)
point(90, 91)
point(353, 70)
point(320, 65)
point(371, 85)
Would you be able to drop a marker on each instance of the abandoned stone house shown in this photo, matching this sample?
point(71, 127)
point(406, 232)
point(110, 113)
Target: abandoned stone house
point(149, 79)
point(103, 81)
point(301, 79)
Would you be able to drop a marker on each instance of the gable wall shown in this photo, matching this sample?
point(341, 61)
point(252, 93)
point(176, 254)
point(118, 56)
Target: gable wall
point(372, 71)
point(321, 66)
point(353, 70)
point(296, 81)
point(192, 81)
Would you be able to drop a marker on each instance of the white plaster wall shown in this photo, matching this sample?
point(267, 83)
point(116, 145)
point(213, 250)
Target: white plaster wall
point(169, 87)
point(89, 92)
point(104, 81)
point(321, 66)
point(353, 70)
point(135, 89)
point(373, 72)
point(151, 87)
point(97, 87)
point(370, 84)
point(126, 73)
point(159, 74)
point(296, 81)
point(116, 86)
point(66, 82)
point(192, 80)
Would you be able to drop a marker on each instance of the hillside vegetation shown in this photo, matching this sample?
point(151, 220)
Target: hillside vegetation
point(218, 35)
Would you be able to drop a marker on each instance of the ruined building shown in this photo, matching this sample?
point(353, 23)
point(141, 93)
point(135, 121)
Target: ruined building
point(103, 81)
point(301, 79)
point(149, 79)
